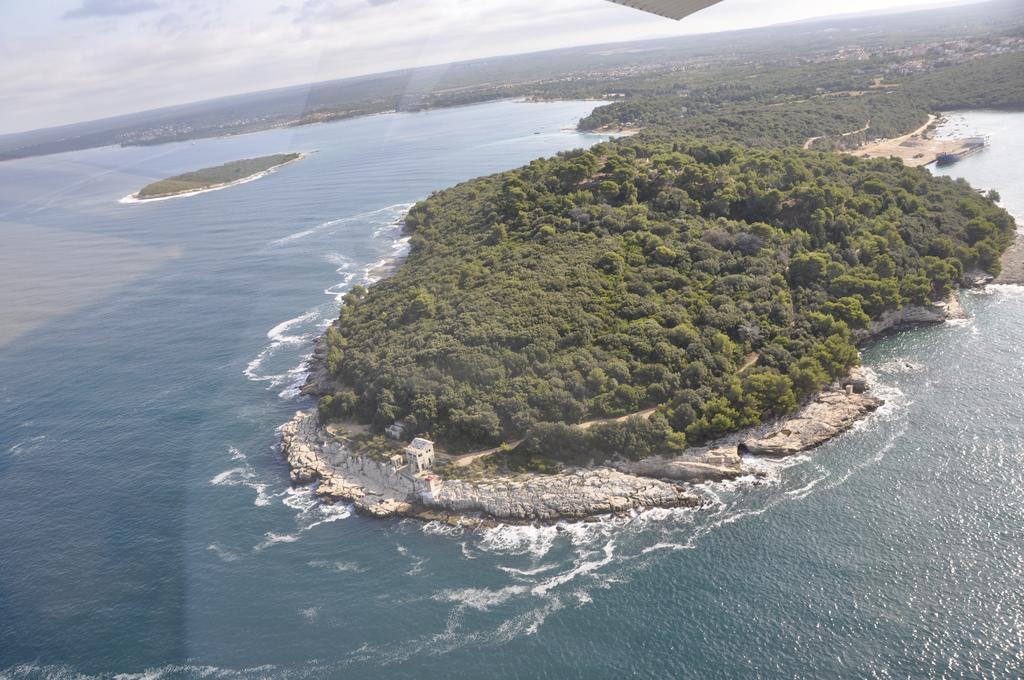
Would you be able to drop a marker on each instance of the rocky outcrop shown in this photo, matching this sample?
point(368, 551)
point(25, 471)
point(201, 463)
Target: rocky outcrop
point(377, 490)
point(697, 465)
point(830, 414)
point(314, 455)
point(569, 495)
point(1012, 261)
point(319, 381)
point(910, 316)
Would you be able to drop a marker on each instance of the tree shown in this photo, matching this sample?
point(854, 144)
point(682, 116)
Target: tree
point(807, 376)
point(767, 392)
point(807, 269)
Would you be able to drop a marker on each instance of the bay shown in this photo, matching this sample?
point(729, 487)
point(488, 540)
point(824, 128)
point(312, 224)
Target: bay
point(147, 526)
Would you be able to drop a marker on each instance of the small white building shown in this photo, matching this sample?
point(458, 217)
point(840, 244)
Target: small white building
point(420, 455)
point(427, 487)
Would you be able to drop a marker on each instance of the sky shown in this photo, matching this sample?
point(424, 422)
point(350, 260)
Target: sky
point(64, 61)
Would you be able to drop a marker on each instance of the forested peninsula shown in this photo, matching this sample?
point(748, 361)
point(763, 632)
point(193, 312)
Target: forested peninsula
point(644, 275)
point(582, 334)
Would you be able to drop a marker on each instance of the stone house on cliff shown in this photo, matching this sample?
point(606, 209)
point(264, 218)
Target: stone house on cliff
point(420, 455)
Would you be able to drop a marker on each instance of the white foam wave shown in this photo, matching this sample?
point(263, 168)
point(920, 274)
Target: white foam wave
point(338, 260)
point(271, 539)
point(278, 332)
point(437, 528)
point(296, 377)
point(300, 498)
point(529, 572)
point(415, 562)
point(807, 488)
point(340, 567)
point(393, 213)
point(582, 568)
point(519, 540)
point(329, 513)
point(1010, 290)
point(481, 599)
point(661, 545)
point(65, 672)
point(243, 476)
point(281, 335)
point(895, 400)
point(26, 445)
point(228, 477)
point(223, 553)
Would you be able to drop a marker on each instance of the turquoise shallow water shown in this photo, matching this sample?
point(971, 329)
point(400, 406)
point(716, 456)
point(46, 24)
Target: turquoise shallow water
point(147, 526)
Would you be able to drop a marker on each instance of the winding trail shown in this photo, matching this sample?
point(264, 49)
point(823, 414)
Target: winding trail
point(867, 126)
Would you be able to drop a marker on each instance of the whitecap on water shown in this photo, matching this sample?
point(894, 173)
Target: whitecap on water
point(326, 514)
point(271, 538)
point(230, 477)
point(519, 540)
point(243, 475)
point(26, 445)
point(283, 335)
point(436, 528)
point(338, 566)
point(582, 567)
point(391, 214)
point(300, 498)
point(221, 552)
point(529, 572)
point(481, 599)
point(416, 563)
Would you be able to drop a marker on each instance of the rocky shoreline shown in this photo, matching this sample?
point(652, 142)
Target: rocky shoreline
point(314, 455)
point(1012, 261)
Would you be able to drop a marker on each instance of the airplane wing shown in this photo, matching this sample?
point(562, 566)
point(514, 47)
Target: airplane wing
point(673, 9)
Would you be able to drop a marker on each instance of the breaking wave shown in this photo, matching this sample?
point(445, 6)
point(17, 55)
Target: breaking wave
point(391, 215)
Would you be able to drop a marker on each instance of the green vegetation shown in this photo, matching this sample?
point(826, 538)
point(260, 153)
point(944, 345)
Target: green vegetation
point(641, 274)
point(216, 176)
point(708, 269)
point(801, 101)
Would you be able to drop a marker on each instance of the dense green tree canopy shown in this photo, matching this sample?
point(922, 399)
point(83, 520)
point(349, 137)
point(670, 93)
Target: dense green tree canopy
point(647, 274)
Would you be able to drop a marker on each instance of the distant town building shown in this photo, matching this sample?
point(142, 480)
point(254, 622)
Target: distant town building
point(420, 455)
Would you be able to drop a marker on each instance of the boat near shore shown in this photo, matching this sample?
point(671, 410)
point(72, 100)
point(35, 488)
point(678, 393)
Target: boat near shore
point(970, 146)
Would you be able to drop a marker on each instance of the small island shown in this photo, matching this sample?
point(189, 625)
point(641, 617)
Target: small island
point(218, 177)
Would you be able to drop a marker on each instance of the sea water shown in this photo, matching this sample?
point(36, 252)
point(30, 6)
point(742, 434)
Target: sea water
point(148, 528)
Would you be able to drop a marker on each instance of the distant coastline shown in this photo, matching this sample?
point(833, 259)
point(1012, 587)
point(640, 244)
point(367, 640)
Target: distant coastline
point(213, 178)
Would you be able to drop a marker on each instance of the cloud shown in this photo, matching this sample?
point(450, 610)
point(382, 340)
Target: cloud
point(198, 49)
point(110, 8)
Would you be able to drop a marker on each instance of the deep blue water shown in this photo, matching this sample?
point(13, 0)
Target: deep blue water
point(147, 526)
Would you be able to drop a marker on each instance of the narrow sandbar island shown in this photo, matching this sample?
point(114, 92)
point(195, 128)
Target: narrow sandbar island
point(213, 178)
